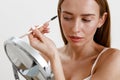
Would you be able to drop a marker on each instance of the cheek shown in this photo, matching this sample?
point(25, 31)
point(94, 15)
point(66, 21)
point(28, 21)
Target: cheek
point(91, 29)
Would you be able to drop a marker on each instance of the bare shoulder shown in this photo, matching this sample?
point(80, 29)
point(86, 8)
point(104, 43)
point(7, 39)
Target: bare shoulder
point(111, 58)
point(113, 53)
point(109, 64)
point(114, 50)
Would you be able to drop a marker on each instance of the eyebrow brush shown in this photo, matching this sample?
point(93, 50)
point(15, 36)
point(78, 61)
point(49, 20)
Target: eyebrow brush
point(38, 27)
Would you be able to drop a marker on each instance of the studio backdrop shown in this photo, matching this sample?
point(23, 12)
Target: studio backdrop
point(18, 16)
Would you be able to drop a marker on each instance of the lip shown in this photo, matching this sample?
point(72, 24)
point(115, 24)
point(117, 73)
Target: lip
point(75, 38)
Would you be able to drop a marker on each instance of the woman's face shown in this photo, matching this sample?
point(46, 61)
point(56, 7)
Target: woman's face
point(79, 20)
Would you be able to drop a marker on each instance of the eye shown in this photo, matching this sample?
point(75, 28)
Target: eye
point(67, 18)
point(86, 20)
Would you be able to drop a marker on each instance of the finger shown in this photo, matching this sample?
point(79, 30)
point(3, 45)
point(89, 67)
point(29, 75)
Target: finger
point(45, 25)
point(38, 34)
point(46, 30)
point(32, 34)
point(30, 37)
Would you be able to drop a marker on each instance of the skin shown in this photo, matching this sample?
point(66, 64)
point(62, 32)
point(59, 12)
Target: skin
point(79, 21)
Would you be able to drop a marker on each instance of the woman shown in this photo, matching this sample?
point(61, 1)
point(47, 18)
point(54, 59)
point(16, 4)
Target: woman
point(85, 28)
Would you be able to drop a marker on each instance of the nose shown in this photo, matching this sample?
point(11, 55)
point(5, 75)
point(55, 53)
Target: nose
point(77, 27)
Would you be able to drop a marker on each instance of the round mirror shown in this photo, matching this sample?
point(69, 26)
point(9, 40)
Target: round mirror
point(27, 60)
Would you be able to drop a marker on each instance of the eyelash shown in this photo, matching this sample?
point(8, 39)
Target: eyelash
point(67, 18)
point(84, 20)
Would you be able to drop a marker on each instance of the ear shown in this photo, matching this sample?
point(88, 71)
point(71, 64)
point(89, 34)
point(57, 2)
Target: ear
point(102, 20)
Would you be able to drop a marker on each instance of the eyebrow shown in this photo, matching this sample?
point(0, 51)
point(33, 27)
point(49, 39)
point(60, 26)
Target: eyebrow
point(67, 12)
point(86, 14)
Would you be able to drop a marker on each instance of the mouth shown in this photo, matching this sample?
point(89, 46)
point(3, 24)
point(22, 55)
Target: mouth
point(75, 38)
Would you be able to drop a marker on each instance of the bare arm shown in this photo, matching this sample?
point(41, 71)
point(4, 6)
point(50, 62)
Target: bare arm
point(109, 69)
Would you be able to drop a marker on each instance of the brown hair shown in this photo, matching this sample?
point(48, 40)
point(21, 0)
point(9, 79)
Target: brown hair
point(102, 35)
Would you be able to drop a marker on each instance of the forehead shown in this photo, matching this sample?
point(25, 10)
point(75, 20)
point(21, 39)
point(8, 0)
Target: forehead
point(80, 6)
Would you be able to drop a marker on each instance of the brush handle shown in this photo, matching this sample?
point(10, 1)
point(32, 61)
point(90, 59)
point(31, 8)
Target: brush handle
point(31, 30)
point(37, 27)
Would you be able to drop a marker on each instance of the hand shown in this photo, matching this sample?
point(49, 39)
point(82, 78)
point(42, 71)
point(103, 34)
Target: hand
point(48, 49)
point(40, 42)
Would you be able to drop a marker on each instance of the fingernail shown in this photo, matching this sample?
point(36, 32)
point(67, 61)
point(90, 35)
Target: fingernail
point(46, 24)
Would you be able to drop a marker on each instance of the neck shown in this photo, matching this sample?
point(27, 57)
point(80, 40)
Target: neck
point(87, 50)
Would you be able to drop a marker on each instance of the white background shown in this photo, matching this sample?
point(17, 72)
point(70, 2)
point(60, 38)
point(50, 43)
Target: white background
point(18, 16)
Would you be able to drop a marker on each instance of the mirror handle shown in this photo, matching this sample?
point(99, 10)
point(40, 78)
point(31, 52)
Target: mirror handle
point(15, 72)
